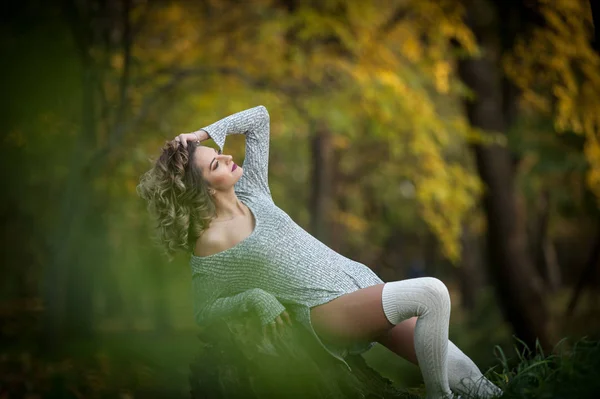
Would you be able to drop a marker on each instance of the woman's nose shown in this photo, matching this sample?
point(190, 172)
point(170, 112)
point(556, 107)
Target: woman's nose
point(226, 158)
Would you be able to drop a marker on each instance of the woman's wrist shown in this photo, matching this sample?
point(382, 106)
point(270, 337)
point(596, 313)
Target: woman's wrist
point(201, 135)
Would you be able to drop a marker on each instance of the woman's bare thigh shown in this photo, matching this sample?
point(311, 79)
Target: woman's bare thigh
point(357, 316)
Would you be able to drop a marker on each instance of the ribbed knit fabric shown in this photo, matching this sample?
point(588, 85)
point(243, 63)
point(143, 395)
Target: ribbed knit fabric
point(466, 378)
point(441, 362)
point(426, 298)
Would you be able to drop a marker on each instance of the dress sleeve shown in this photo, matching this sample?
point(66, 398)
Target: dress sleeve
point(255, 124)
point(209, 305)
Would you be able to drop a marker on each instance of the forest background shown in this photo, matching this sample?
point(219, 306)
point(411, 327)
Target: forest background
point(454, 139)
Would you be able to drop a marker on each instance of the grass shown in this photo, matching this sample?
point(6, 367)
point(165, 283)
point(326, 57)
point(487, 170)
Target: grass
point(572, 373)
point(154, 366)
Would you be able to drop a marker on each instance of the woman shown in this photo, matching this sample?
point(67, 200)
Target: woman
point(249, 255)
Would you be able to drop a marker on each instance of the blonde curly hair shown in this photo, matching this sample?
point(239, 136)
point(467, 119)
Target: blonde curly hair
point(178, 198)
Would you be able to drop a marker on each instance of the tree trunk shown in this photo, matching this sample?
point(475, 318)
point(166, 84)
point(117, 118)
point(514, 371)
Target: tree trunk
point(337, 231)
point(64, 280)
point(469, 275)
point(518, 288)
point(595, 6)
point(160, 311)
point(587, 275)
point(321, 183)
point(545, 254)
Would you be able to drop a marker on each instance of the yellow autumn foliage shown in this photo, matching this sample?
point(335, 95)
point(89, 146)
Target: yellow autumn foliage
point(340, 65)
point(557, 70)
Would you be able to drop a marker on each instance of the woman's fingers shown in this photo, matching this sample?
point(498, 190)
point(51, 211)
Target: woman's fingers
point(274, 329)
point(287, 318)
point(269, 330)
point(183, 138)
point(280, 325)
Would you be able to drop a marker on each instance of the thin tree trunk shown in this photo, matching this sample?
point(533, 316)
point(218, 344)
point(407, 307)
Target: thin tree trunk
point(468, 272)
point(160, 311)
point(61, 271)
point(321, 183)
point(518, 288)
point(595, 6)
point(591, 267)
point(545, 255)
point(337, 230)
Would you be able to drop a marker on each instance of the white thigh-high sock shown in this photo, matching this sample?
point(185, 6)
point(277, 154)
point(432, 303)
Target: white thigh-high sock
point(464, 376)
point(428, 299)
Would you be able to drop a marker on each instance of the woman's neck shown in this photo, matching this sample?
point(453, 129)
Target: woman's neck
point(229, 206)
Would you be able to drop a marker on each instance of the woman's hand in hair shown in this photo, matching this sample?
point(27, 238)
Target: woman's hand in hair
point(183, 138)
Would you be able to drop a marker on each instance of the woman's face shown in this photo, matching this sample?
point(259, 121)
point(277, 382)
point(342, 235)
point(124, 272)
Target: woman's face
point(218, 170)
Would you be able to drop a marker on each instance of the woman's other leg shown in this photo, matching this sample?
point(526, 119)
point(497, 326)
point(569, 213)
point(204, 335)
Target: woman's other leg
point(370, 312)
point(463, 375)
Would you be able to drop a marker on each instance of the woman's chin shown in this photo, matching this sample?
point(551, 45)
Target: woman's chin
point(237, 174)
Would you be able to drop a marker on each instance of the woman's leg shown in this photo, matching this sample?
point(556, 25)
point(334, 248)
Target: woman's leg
point(463, 375)
point(426, 298)
point(370, 312)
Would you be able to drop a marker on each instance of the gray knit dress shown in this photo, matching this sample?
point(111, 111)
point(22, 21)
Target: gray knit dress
point(279, 266)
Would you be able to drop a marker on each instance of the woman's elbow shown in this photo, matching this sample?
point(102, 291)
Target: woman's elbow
point(264, 111)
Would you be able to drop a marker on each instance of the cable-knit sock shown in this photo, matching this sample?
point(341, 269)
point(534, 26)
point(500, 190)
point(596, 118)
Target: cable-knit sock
point(466, 378)
point(428, 299)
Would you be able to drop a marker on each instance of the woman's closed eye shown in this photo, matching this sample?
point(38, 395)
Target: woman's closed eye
point(217, 162)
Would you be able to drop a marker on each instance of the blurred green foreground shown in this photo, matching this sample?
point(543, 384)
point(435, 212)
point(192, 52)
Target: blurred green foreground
point(458, 139)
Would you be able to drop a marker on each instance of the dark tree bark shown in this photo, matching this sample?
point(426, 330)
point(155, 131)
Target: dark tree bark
point(61, 272)
point(592, 267)
point(469, 274)
point(337, 231)
point(595, 5)
point(160, 315)
point(593, 264)
point(545, 255)
point(68, 278)
point(517, 286)
point(321, 183)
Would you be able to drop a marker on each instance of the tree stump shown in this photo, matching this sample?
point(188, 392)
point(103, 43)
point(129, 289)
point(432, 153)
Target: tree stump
point(237, 362)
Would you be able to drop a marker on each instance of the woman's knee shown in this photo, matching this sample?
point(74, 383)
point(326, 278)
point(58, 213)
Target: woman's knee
point(437, 291)
point(420, 295)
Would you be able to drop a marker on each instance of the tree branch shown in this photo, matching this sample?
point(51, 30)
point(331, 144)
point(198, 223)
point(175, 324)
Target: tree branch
point(177, 76)
point(595, 7)
point(93, 165)
point(398, 15)
point(124, 80)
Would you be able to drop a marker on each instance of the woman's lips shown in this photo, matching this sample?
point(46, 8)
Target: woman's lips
point(234, 167)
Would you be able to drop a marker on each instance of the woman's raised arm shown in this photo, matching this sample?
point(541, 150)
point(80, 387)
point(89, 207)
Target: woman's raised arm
point(255, 124)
